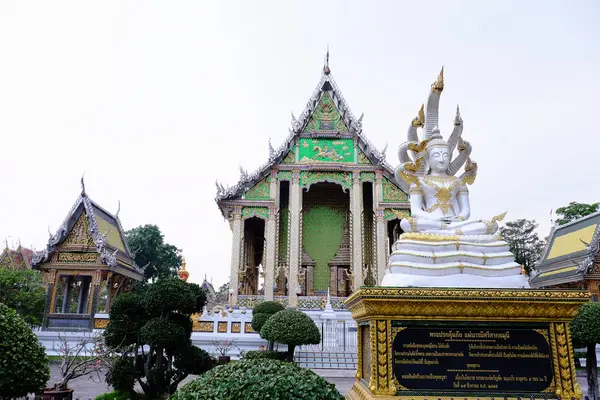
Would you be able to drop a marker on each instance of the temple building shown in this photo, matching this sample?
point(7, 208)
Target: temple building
point(321, 213)
point(571, 258)
point(84, 266)
point(16, 259)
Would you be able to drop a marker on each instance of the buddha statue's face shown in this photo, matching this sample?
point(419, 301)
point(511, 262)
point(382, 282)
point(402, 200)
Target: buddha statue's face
point(438, 158)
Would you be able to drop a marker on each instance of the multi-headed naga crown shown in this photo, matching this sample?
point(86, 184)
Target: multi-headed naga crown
point(412, 152)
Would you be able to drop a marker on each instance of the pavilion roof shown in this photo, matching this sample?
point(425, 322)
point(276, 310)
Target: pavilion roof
point(570, 252)
point(105, 230)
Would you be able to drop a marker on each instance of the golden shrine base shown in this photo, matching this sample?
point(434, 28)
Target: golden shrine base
point(382, 313)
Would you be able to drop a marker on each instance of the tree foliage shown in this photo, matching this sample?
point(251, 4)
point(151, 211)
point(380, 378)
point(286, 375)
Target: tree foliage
point(575, 211)
point(258, 380)
point(585, 332)
point(223, 294)
point(152, 330)
point(524, 242)
point(291, 327)
point(23, 362)
point(22, 290)
point(160, 259)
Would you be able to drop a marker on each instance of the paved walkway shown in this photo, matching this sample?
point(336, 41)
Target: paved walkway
point(90, 387)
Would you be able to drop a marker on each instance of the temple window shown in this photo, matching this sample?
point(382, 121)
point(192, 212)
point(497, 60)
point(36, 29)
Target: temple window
point(73, 293)
point(103, 298)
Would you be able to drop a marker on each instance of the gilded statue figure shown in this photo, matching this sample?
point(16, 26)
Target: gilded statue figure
point(439, 200)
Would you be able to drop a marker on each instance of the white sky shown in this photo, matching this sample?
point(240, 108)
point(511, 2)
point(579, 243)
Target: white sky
point(154, 100)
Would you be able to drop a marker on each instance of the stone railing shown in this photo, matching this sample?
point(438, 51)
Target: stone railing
point(304, 302)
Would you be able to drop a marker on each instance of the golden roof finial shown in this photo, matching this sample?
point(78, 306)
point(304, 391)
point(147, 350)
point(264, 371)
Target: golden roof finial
point(182, 273)
point(420, 119)
point(438, 85)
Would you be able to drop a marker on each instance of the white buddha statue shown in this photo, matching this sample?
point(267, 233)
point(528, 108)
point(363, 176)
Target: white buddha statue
point(440, 246)
point(439, 202)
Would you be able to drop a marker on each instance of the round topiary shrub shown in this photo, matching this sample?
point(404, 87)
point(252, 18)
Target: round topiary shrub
point(23, 362)
point(262, 312)
point(291, 327)
point(121, 375)
point(258, 380)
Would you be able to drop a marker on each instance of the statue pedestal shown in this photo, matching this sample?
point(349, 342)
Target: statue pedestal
point(443, 343)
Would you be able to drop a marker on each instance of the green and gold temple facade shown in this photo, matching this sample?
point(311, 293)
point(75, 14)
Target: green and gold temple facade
point(321, 214)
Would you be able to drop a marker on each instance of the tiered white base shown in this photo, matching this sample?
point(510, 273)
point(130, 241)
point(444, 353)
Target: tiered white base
point(423, 260)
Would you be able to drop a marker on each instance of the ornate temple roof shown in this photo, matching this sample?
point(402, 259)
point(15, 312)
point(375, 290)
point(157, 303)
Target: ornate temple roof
point(570, 252)
point(107, 234)
point(16, 259)
point(326, 99)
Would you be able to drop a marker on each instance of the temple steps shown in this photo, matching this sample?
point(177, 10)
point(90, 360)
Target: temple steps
point(326, 360)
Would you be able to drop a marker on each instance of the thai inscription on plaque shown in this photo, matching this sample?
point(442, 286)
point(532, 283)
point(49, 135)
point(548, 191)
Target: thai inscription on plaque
point(510, 359)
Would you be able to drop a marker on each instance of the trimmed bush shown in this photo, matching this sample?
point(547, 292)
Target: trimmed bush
point(261, 313)
point(118, 396)
point(291, 327)
point(266, 354)
point(121, 375)
point(258, 380)
point(23, 362)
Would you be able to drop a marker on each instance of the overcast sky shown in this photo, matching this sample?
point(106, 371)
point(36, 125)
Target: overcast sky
point(155, 100)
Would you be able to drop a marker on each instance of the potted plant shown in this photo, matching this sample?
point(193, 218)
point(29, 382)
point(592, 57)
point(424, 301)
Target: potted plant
point(223, 347)
point(76, 359)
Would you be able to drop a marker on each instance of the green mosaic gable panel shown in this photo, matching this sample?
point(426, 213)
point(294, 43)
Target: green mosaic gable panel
point(326, 117)
point(326, 150)
point(260, 212)
point(391, 192)
point(285, 175)
point(363, 159)
point(322, 235)
point(260, 191)
point(344, 179)
point(393, 213)
point(367, 176)
point(290, 158)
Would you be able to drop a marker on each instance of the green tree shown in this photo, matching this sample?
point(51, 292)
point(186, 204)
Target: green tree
point(23, 362)
point(291, 327)
point(223, 294)
point(524, 242)
point(575, 211)
point(262, 312)
point(22, 290)
point(585, 332)
point(160, 259)
point(153, 330)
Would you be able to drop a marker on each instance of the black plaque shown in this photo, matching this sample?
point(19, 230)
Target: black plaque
point(504, 359)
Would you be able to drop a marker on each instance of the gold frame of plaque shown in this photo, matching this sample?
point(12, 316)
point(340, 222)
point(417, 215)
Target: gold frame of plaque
point(382, 312)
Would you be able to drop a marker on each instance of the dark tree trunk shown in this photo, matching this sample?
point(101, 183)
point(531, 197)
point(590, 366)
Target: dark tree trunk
point(592, 372)
point(291, 349)
point(270, 345)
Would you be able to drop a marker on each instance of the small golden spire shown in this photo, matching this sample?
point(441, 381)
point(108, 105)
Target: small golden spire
point(438, 85)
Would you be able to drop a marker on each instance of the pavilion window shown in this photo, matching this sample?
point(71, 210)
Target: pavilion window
point(73, 294)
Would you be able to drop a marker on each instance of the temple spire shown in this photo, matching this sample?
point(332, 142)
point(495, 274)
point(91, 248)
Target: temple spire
point(326, 69)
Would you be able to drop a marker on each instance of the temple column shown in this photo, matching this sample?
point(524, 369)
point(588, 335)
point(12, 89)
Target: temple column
point(295, 239)
point(333, 281)
point(309, 280)
point(356, 207)
point(270, 236)
point(236, 243)
point(381, 241)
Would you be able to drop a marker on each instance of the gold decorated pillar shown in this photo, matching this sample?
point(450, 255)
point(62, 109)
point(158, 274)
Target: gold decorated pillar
point(236, 243)
point(295, 238)
point(356, 207)
point(381, 234)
